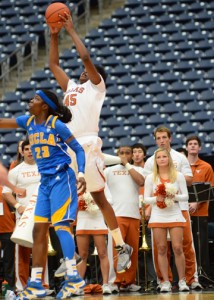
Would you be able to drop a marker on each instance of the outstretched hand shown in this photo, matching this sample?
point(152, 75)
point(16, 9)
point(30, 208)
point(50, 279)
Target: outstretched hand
point(54, 30)
point(67, 21)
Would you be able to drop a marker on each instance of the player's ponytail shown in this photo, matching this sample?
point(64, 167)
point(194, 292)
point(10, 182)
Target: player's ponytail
point(63, 113)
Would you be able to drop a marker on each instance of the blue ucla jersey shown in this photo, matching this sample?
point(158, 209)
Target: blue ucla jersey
point(47, 142)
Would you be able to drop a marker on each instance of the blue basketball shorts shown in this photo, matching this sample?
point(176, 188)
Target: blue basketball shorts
point(57, 198)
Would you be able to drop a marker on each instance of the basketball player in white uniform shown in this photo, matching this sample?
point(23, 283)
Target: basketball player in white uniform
point(85, 101)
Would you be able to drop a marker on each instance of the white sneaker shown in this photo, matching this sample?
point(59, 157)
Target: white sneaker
point(134, 288)
point(182, 285)
point(196, 286)
point(10, 295)
point(166, 287)
point(114, 288)
point(106, 289)
point(131, 288)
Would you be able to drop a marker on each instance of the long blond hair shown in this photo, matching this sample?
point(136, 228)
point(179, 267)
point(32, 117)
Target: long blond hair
point(172, 169)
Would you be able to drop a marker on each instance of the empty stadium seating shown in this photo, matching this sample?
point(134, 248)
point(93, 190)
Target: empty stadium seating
point(159, 58)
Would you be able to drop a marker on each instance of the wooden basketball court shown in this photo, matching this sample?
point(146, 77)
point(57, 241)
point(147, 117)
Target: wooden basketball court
point(204, 295)
point(144, 296)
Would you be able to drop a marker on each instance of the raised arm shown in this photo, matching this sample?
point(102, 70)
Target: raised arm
point(60, 75)
point(93, 75)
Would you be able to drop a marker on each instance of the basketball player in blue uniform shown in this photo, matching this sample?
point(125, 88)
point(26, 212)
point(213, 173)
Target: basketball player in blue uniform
point(57, 195)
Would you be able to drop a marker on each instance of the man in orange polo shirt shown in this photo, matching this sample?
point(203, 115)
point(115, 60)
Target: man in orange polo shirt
point(202, 172)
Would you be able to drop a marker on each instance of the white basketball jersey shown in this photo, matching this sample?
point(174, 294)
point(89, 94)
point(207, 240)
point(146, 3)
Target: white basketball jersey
point(85, 102)
point(24, 176)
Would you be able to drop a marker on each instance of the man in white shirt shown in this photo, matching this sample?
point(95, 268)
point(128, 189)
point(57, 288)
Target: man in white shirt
point(123, 182)
point(163, 139)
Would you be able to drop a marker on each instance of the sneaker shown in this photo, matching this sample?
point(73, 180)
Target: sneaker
point(62, 268)
point(71, 286)
point(114, 288)
point(49, 292)
point(152, 285)
point(33, 290)
point(124, 257)
point(130, 288)
point(165, 287)
point(196, 286)
point(76, 280)
point(106, 289)
point(10, 295)
point(134, 288)
point(182, 285)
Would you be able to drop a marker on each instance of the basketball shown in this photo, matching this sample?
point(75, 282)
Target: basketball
point(52, 14)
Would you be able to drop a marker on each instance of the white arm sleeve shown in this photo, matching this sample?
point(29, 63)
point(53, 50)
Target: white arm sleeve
point(148, 190)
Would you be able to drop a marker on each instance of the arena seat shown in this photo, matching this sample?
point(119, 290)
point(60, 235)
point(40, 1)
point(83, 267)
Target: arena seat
point(159, 58)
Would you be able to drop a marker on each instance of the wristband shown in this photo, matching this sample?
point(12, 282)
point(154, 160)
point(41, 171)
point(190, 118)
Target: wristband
point(17, 205)
point(80, 174)
point(128, 166)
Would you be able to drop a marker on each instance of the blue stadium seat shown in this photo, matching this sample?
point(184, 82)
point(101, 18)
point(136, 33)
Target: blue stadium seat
point(207, 126)
point(178, 87)
point(15, 107)
point(8, 138)
point(126, 141)
point(148, 141)
point(134, 90)
point(210, 136)
point(156, 88)
point(163, 98)
point(170, 108)
point(188, 128)
point(25, 86)
point(108, 143)
point(151, 150)
point(193, 106)
point(120, 100)
point(191, 76)
point(184, 97)
point(201, 116)
point(199, 86)
point(120, 131)
point(149, 109)
point(207, 95)
point(107, 112)
point(113, 121)
point(10, 97)
point(134, 121)
point(169, 77)
point(180, 117)
point(6, 160)
point(127, 110)
point(156, 119)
